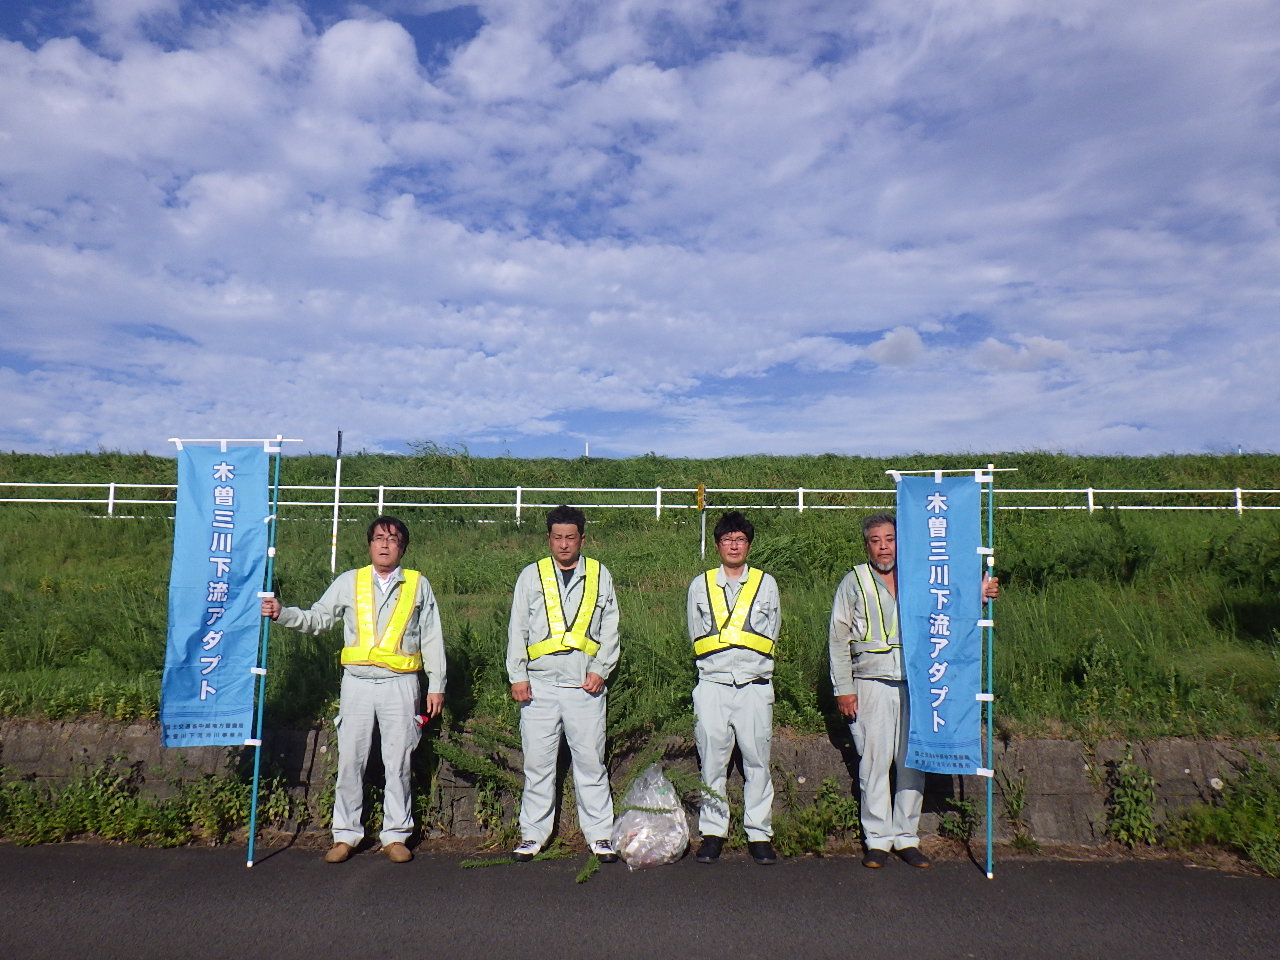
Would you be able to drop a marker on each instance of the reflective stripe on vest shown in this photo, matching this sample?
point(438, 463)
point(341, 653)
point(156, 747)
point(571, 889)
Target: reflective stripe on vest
point(372, 650)
point(878, 638)
point(729, 627)
point(562, 638)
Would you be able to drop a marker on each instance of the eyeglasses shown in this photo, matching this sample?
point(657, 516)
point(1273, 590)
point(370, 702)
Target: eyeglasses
point(738, 540)
point(384, 538)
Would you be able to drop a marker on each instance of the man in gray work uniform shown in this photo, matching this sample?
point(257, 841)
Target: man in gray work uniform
point(562, 644)
point(391, 633)
point(734, 617)
point(865, 650)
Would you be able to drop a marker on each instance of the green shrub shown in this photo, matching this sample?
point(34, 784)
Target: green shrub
point(1244, 818)
point(807, 828)
point(106, 802)
point(1131, 803)
point(960, 820)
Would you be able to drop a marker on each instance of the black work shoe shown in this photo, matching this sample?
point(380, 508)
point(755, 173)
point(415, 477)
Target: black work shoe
point(875, 859)
point(762, 851)
point(912, 857)
point(709, 849)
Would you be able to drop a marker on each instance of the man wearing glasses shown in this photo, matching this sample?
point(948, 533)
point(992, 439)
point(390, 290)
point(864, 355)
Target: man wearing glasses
point(734, 618)
point(391, 632)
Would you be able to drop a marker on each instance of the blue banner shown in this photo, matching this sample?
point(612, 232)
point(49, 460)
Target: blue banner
point(940, 603)
point(219, 561)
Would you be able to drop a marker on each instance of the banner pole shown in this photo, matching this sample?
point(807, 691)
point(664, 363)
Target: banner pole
point(990, 652)
point(984, 648)
point(263, 644)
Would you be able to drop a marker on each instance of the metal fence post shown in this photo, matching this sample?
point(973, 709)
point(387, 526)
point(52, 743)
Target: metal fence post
point(702, 520)
point(1239, 502)
point(519, 502)
point(657, 503)
point(1089, 493)
point(111, 500)
point(799, 499)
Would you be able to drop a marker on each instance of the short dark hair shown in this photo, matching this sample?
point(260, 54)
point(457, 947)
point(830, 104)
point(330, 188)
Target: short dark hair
point(878, 520)
point(734, 522)
point(566, 514)
point(390, 523)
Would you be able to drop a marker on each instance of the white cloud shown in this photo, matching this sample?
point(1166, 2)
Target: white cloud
point(121, 21)
point(508, 61)
point(900, 347)
point(366, 68)
point(1029, 354)
point(684, 227)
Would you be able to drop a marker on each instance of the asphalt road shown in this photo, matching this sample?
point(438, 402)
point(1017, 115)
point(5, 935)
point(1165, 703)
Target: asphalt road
point(88, 901)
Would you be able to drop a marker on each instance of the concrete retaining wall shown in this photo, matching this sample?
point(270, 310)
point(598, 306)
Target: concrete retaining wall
point(1065, 781)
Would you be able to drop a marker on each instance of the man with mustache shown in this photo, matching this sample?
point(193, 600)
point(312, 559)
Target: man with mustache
point(865, 649)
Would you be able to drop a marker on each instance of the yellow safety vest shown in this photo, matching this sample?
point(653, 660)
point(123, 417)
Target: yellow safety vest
point(562, 638)
point(729, 628)
point(383, 651)
point(878, 638)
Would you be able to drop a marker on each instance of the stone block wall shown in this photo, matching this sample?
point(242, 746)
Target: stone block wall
point(1065, 781)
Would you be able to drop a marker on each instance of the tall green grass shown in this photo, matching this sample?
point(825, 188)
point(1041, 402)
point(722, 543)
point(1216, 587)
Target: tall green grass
point(432, 465)
point(1244, 817)
point(1125, 624)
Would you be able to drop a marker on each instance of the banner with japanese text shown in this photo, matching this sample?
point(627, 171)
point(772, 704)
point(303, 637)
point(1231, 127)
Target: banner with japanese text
point(219, 562)
point(940, 604)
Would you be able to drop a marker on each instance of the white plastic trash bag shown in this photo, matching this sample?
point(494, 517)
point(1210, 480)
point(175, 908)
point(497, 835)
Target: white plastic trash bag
point(653, 828)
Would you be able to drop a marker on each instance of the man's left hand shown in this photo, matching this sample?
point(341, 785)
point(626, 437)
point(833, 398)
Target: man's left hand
point(593, 683)
point(432, 704)
point(990, 588)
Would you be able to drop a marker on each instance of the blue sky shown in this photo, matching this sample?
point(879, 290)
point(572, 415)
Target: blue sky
point(678, 226)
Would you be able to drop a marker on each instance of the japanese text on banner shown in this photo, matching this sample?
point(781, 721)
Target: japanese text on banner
point(940, 602)
point(219, 559)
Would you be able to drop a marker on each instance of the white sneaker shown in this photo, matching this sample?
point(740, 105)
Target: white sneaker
point(527, 850)
point(604, 850)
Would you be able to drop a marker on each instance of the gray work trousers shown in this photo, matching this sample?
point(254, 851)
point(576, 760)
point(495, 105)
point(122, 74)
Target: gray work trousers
point(579, 717)
point(889, 821)
point(392, 704)
point(725, 714)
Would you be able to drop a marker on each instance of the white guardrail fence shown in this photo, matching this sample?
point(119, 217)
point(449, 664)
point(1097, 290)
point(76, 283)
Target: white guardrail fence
point(510, 503)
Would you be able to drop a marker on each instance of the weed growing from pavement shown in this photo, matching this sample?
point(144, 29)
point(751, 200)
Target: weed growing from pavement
point(960, 820)
point(1131, 803)
point(1013, 791)
point(107, 802)
point(557, 850)
point(807, 828)
point(1245, 816)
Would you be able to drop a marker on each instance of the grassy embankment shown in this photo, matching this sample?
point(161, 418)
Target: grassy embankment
point(1113, 624)
point(1125, 624)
